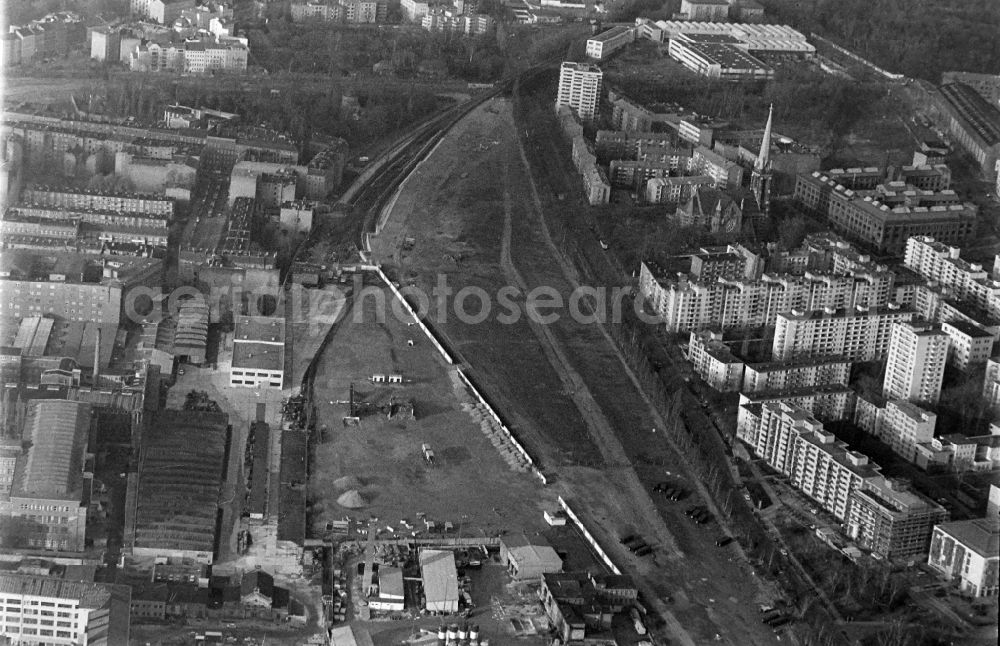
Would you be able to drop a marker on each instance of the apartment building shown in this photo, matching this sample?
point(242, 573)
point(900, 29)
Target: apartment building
point(714, 361)
point(191, 57)
point(580, 88)
point(901, 425)
point(968, 344)
point(58, 612)
point(991, 385)
point(65, 286)
point(827, 403)
point(892, 520)
point(685, 304)
point(98, 200)
point(886, 219)
point(626, 144)
point(925, 177)
point(915, 363)
point(859, 334)
point(662, 190)
point(705, 10)
point(967, 552)
point(607, 42)
point(795, 443)
point(943, 264)
point(726, 173)
point(789, 375)
point(164, 12)
point(596, 185)
point(47, 496)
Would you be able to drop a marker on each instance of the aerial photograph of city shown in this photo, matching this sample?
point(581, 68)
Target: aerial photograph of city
point(499, 322)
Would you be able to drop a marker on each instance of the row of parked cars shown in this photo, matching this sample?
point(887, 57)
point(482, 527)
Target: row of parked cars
point(637, 545)
point(670, 491)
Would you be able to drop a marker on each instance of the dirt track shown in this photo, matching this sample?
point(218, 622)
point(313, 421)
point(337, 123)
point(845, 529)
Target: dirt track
point(475, 218)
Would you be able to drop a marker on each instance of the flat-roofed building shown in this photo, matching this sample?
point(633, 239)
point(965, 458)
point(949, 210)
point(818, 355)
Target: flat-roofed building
point(943, 264)
point(726, 173)
point(807, 372)
point(901, 425)
point(714, 361)
point(991, 385)
point(580, 88)
point(859, 334)
point(297, 217)
point(968, 552)
point(607, 42)
point(258, 352)
point(528, 558)
point(717, 58)
point(49, 488)
point(885, 219)
point(180, 475)
point(795, 443)
point(892, 520)
point(705, 10)
point(55, 611)
point(829, 403)
point(440, 578)
point(914, 368)
point(969, 345)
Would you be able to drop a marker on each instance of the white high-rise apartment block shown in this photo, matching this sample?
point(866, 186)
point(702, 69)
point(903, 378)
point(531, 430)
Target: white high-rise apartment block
point(580, 88)
point(691, 305)
point(969, 345)
point(991, 385)
point(859, 334)
point(899, 424)
point(943, 264)
point(793, 442)
point(914, 368)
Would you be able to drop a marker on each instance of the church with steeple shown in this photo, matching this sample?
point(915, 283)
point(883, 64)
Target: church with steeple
point(761, 177)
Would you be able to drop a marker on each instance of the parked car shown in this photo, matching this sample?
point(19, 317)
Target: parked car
point(722, 541)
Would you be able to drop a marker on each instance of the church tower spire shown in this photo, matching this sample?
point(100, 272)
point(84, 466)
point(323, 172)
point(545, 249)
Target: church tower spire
point(760, 178)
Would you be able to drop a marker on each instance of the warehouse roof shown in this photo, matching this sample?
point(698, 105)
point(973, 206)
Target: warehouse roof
point(180, 476)
point(52, 466)
point(437, 569)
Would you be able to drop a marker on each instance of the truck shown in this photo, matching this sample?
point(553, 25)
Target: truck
point(428, 453)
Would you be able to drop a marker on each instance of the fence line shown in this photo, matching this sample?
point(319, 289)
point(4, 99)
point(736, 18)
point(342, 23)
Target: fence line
point(590, 537)
point(417, 319)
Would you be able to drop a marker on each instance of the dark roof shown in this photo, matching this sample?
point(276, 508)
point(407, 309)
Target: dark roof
point(180, 476)
point(255, 580)
point(294, 452)
point(292, 514)
point(258, 479)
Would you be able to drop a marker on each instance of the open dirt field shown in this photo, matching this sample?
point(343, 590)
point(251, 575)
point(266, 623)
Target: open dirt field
point(468, 484)
point(473, 217)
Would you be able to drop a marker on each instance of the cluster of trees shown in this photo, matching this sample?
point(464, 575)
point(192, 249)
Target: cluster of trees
point(279, 46)
point(807, 102)
point(24, 11)
point(919, 38)
point(301, 107)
